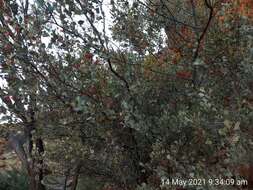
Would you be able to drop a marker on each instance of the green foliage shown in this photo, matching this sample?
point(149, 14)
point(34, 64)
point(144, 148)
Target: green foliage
point(86, 183)
point(167, 94)
point(13, 180)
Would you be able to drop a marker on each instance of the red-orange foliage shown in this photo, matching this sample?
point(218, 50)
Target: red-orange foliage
point(17, 29)
point(88, 56)
point(8, 99)
point(246, 171)
point(176, 55)
point(239, 7)
point(245, 8)
point(7, 48)
point(184, 74)
point(1, 4)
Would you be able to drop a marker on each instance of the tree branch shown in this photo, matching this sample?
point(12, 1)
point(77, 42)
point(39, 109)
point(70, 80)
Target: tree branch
point(105, 48)
point(196, 54)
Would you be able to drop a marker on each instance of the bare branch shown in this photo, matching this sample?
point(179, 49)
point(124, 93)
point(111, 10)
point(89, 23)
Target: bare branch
point(199, 41)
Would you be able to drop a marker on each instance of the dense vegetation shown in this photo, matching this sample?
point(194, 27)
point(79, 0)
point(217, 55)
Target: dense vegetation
point(162, 89)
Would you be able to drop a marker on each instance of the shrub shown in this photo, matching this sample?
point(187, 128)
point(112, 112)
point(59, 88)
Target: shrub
point(13, 180)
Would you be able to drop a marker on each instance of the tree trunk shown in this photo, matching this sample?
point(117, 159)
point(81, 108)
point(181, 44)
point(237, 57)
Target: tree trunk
point(32, 183)
point(76, 175)
point(40, 149)
point(16, 143)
